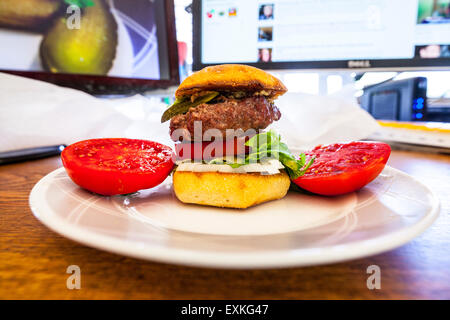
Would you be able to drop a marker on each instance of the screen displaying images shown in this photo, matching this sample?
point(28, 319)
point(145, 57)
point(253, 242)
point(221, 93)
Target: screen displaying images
point(326, 30)
point(117, 38)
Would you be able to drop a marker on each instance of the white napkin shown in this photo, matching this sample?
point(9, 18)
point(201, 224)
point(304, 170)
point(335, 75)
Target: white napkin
point(310, 120)
point(35, 113)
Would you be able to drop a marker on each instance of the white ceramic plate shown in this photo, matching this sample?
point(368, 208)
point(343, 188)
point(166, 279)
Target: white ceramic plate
point(298, 230)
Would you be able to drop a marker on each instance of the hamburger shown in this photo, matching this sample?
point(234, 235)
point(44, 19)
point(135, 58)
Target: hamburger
point(216, 123)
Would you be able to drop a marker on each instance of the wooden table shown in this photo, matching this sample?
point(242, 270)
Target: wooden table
point(33, 259)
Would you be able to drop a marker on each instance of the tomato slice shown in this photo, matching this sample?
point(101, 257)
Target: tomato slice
point(117, 165)
point(207, 150)
point(343, 168)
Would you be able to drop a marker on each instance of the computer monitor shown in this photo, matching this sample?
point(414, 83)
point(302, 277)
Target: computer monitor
point(325, 34)
point(101, 46)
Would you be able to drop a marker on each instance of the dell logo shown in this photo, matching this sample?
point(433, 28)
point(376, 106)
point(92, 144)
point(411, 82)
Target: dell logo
point(358, 64)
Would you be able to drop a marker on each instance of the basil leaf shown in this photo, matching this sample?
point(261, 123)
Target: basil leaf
point(234, 164)
point(181, 106)
point(268, 145)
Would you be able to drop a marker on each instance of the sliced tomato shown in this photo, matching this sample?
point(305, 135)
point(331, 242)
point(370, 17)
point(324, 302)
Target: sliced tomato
point(118, 165)
point(343, 168)
point(208, 150)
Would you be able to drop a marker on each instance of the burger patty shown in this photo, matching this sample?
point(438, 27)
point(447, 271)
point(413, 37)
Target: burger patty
point(248, 113)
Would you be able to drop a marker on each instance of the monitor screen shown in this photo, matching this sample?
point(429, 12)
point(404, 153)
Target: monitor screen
point(278, 34)
point(114, 45)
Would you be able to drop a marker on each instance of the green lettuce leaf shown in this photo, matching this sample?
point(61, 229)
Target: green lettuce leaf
point(266, 146)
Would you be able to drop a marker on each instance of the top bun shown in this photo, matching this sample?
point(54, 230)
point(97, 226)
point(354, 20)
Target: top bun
point(231, 77)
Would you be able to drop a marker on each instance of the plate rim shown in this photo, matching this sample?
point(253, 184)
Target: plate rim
point(231, 260)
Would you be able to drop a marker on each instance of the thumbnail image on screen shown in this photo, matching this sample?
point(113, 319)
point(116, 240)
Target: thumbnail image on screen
point(265, 33)
point(116, 38)
point(433, 51)
point(266, 12)
point(433, 11)
point(265, 55)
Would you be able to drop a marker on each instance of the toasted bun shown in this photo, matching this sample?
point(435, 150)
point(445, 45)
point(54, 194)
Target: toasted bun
point(231, 77)
point(232, 190)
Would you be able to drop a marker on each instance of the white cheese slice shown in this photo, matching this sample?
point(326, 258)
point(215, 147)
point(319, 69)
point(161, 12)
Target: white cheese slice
point(269, 167)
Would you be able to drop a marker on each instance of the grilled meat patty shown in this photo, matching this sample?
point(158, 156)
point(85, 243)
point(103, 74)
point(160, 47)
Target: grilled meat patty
point(247, 113)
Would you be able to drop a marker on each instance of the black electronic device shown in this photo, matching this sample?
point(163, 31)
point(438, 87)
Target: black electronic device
point(402, 100)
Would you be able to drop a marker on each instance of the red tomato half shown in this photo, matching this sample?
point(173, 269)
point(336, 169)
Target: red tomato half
point(343, 168)
point(117, 166)
point(208, 150)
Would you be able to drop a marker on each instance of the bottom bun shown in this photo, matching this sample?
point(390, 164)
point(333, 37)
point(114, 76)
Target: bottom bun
point(231, 190)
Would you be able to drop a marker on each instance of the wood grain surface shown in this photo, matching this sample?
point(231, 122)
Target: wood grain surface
point(33, 259)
